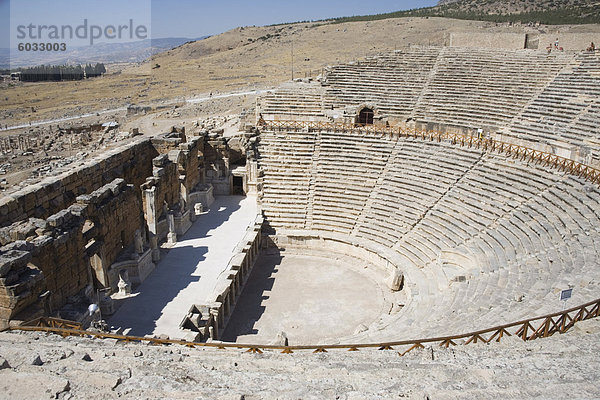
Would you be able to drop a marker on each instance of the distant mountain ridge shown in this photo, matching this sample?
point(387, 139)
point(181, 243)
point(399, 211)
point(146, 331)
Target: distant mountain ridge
point(101, 52)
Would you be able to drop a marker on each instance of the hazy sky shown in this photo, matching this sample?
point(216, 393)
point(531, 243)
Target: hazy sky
point(184, 18)
point(198, 18)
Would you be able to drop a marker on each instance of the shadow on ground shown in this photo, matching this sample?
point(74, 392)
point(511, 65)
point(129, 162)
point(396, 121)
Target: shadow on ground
point(174, 272)
point(249, 308)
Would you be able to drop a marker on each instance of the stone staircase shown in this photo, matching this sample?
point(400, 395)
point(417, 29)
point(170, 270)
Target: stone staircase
point(566, 112)
point(484, 88)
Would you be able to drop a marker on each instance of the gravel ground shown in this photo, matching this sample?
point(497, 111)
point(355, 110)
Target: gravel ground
point(43, 366)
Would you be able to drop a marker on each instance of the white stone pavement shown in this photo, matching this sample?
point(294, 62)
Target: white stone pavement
point(187, 274)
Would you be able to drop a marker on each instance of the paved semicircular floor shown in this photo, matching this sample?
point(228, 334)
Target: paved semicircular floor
point(312, 299)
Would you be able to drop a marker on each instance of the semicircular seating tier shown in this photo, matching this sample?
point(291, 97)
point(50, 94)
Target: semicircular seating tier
point(482, 239)
point(544, 101)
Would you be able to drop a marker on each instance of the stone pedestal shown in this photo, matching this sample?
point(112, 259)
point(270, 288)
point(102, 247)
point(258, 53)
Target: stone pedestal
point(125, 274)
point(172, 235)
point(396, 281)
point(154, 248)
point(107, 306)
point(183, 222)
point(202, 194)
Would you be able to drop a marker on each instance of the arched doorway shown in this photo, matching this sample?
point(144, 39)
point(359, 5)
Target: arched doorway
point(365, 117)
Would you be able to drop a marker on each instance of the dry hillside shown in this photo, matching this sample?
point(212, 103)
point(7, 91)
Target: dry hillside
point(516, 6)
point(240, 58)
point(524, 11)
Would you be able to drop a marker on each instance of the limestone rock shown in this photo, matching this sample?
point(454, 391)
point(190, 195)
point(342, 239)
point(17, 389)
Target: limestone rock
point(280, 340)
point(37, 360)
point(22, 385)
point(360, 329)
point(396, 281)
point(3, 363)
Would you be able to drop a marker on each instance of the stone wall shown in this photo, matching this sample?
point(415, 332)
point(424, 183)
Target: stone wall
point(332, 242)
point(169, 141)
point(131, 162)
point(216, 159)
point(58, 254)
point(189, 165)
point(488, 40)
point(70, 236)
point(116, 213)
point(166, 200)
point(21, 284)
point(227, 289)
point(165, 181)
point(568, 41)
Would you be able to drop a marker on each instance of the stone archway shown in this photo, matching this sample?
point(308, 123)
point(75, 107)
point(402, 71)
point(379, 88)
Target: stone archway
point(365, 116)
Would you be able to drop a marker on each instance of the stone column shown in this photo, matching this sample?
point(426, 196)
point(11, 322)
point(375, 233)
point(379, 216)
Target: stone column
point(171, 236)
point(217, 323)
point(227, 171)
point(45, 301)
point(151, 214)
point(183, 194)
point(251, 178)
point(98, 266)
point(139, 242)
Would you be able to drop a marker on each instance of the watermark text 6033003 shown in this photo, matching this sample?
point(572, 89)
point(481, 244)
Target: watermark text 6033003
point(43, 46)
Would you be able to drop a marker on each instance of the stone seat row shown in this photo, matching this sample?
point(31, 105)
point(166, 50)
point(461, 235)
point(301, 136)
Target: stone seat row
point(446, 213)
point(558, 267)
point(563, 101)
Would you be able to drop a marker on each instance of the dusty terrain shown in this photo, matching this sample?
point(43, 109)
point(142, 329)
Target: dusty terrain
point(57, 146)
point(246, 57)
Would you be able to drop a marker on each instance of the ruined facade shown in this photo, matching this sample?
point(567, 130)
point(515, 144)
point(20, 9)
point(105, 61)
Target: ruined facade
point(78, 237)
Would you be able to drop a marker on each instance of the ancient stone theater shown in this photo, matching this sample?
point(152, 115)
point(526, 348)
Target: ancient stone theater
point(420, 193)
